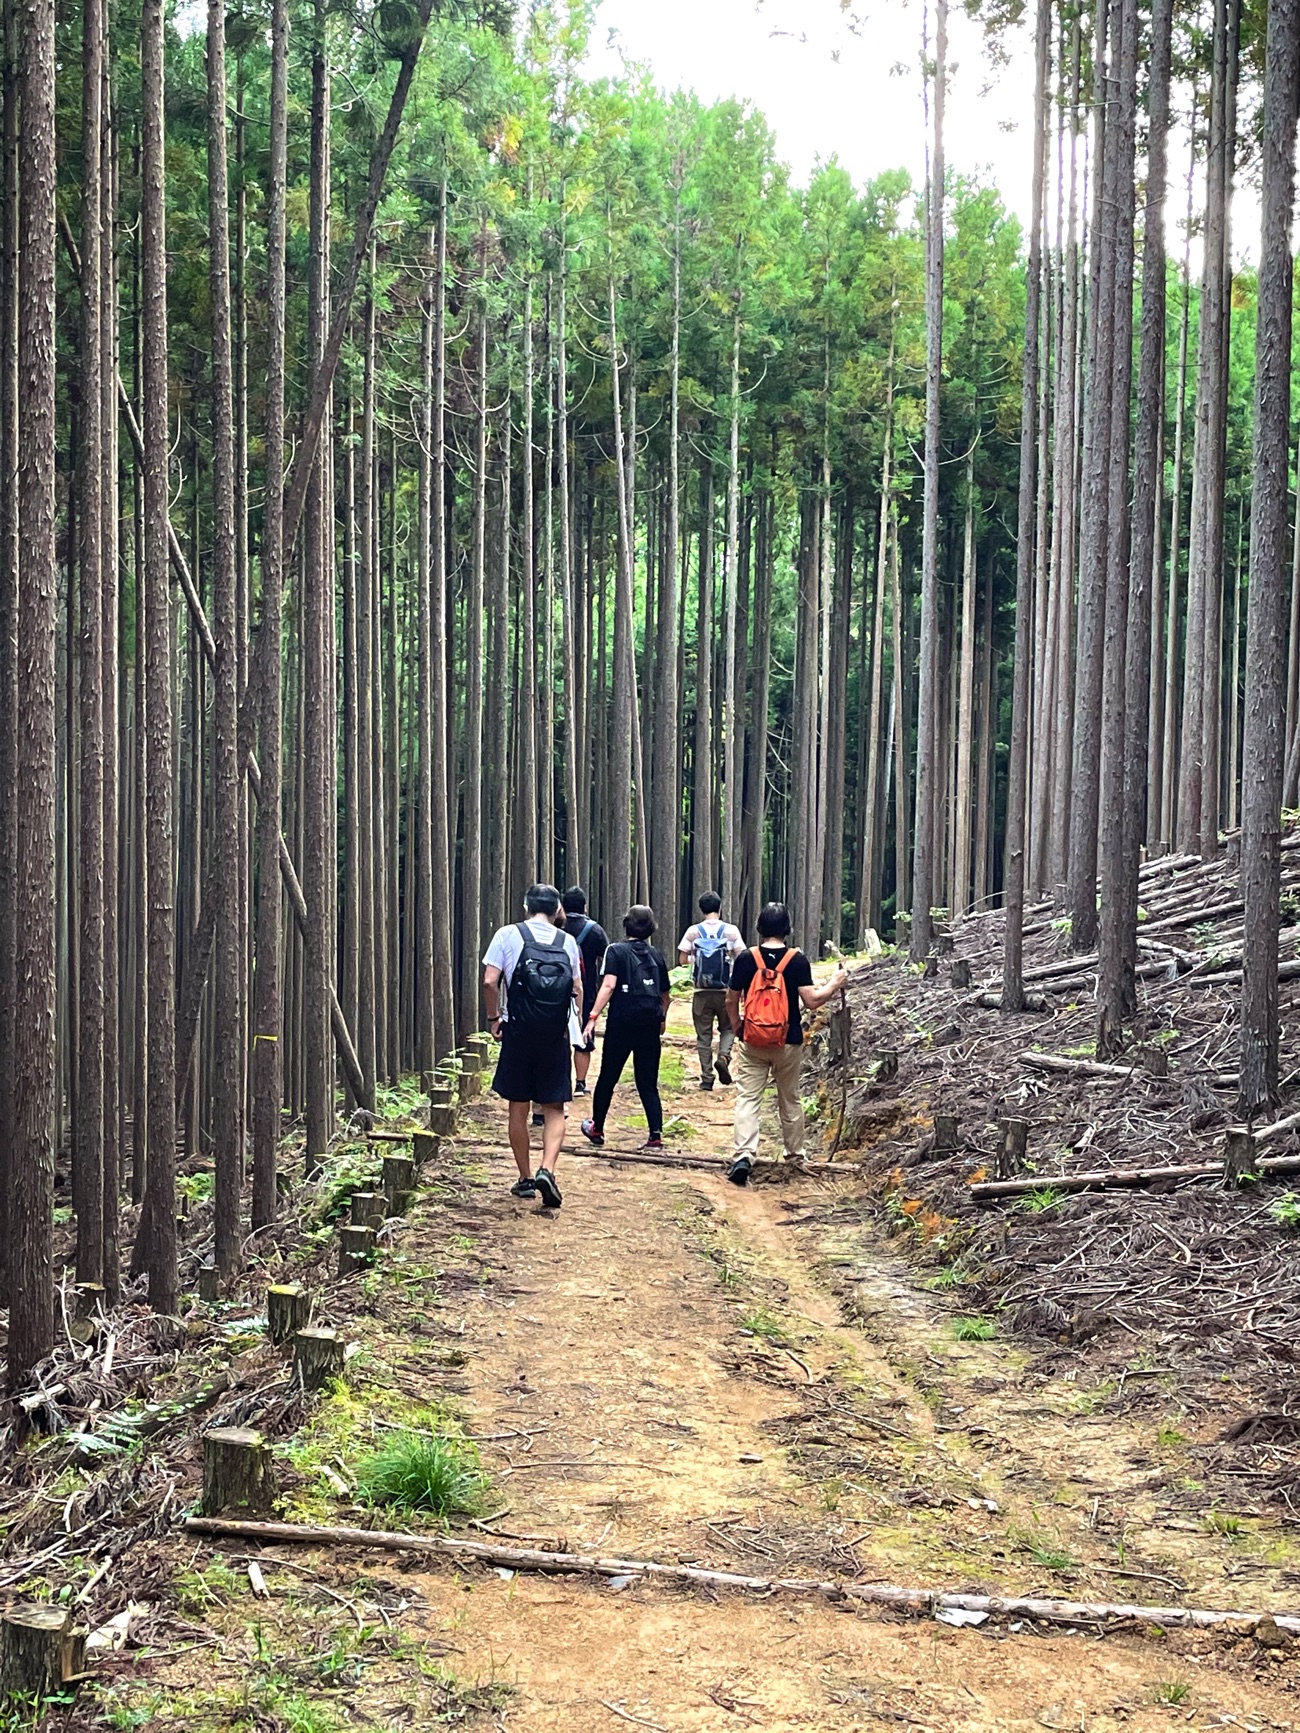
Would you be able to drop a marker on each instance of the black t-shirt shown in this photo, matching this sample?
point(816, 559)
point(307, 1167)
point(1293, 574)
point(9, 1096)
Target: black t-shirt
point(798, 973)
point(635, 959)
point(591, 948)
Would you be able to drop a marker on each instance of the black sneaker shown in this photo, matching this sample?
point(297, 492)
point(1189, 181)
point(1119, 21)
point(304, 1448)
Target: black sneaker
point(539, 1119)
point(738, 1172)
point(581, 1089)
point(547, 1190)
point(524, 1188)
point(706, 1086)
point(723, 1070)
point(588, 1129)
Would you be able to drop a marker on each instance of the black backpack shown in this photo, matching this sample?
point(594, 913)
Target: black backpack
point(640, 998)
point(539, 992)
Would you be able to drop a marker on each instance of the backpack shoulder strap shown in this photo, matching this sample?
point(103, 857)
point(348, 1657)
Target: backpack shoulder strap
point(587, 925)
point(790, 954)
point(757, 955)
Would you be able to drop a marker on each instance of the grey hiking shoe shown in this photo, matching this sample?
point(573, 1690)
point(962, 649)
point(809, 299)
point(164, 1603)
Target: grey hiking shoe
point(547, 1189)
point(738, 1172)
point(524, 1188)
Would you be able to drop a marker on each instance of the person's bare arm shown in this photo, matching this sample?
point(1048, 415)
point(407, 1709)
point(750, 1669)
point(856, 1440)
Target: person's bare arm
point(813, 998)
point(684, 959)
point(492, 995)
point(603, 998)
point(733, 1010)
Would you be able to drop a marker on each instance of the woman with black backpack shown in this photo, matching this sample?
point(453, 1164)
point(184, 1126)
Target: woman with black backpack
point(636, 989)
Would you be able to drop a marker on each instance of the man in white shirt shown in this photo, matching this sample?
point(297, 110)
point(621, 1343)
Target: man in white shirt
point(532, 982)
point(708, 948)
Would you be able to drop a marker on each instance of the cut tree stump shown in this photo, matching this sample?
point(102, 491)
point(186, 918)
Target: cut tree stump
point(237, 1472)
point(429, 1081)
point(40, 1649)
point(959, 974)
point(288, 1310)
point(945, 1134)
point(1155, 1061)
point(209, 1282)
point(317, 1358)
point(482, 1045)
point(466, 1085)
point(1013, 1145)
point(944, 944)
point(355, 1247)
point(902, 931)
point(424, 1147)
point(443, 1096)
point(1240, 1157)
point(399, 1183)
point(442, 1121)
point(363, 1208)
point(931, 967)
point(90, 1299)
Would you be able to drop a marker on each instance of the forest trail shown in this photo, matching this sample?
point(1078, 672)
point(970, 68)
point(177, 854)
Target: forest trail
point(665, 1370)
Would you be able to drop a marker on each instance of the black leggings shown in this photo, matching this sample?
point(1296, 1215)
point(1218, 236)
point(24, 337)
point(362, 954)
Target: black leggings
point(643, 1046)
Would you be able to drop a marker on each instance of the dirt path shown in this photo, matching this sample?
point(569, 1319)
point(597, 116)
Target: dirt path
point(672, 1368)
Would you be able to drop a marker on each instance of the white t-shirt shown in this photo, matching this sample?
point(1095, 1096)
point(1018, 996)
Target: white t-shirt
point(731, 937)
point(507, 947)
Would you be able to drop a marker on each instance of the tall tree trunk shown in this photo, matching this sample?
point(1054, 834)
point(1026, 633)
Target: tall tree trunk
point(927, 768)
point(961, 852)
point(159, 1223)
point(31, 1197)
point(267, 1068)
point(1266, 620)
point(666, 824)
point(1170, 734)
point(227, 1105)
point(1013, 880)
point(624, 685)
point(732, 725)
point(88, 1155)
point(472, 871)
point(444, 1011)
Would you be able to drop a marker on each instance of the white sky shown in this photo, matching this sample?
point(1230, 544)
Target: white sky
point(829, 92)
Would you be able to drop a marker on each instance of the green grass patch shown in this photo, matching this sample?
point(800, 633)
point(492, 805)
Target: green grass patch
point(973, 1329)
point(1223, 1522)
point(758, 1321)
point(1285, 1210)
point(436, 1472)
point(1170, 1692)
point(1039, 1201)
point(672, 1071)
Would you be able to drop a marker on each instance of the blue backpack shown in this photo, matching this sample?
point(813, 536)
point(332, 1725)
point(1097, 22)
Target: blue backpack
point(712, 959)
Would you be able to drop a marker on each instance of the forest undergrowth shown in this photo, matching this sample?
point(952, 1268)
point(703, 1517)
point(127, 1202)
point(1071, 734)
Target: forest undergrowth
point(760, 1381)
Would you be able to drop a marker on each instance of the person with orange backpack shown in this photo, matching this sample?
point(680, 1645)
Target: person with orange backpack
point(770, 987)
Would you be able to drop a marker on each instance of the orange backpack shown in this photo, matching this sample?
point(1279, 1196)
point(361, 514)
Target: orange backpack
point(766, 1007)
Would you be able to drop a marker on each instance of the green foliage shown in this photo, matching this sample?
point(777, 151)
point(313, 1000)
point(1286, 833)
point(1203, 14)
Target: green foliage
point(1042, 1199)
point(1285, 1210)
point(758, 1321)
point(437, 1472)
point(974, 1329)
point(1170, 1692)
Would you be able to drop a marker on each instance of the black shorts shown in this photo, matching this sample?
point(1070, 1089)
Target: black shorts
point(534, 1066)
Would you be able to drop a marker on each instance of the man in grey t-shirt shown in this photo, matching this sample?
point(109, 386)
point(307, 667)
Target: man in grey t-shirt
point(708, 948)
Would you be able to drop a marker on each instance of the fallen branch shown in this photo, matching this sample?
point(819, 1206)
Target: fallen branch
point(1109, 1179)
point(874, 1594)
point(1078, 1067)
point(1230, 977)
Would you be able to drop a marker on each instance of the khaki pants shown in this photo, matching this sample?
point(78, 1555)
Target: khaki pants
point(756, 1067)
point(709, 1007)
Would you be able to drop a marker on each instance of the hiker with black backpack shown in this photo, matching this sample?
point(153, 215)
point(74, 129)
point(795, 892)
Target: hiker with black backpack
point(592, 941)
point(636, 989)
point(771, 985)
point(708, 948)
point(537, 963)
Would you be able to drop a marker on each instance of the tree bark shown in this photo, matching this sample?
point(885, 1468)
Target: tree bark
point(1264, 744)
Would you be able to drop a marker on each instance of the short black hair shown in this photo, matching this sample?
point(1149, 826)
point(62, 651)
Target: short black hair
point(575, 900)
point(710, 903)
point(541, 899)
point(774, 921)
point(639, 921)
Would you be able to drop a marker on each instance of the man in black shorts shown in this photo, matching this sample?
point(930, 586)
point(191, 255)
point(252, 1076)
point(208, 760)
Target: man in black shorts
point(592, 941)
point(537, 965)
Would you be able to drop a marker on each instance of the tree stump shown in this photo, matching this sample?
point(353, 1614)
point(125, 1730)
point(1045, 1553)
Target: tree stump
point(1013, 1144)
point(429, 1081)
point(482, 1045)
point(90, 1299)
point(362, 1208)
point(887, 1066)
point(288, 1310)
point(471, 1076)
point(236, 1471)
point(317, 1358)
point(424, 1147)
point(39, 1650)
point(399, 1183)
point(902, 930)
point(945, 1133)
point(931, 967)
point(1155, 1061)
point(945, 944)
point(959, 974)
point(442, 1121)
point(1240, 1156)
point(209, 1282)
point(443, 1096)
point(355, 1246)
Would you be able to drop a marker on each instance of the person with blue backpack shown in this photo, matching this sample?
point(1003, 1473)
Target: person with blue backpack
point(537, 965)
point(707, 949)
point(592, 941)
